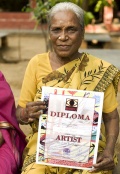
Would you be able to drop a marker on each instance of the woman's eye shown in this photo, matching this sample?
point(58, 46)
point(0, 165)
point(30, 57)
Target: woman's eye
point(55, 30)
point(72, 30)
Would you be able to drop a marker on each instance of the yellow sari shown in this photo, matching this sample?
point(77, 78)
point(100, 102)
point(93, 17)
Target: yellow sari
point(86, 73)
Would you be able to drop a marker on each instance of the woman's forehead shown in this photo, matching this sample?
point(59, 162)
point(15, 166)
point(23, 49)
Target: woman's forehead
point(64, 16)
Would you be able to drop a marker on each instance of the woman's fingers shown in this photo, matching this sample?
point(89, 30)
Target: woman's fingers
point(35, 109)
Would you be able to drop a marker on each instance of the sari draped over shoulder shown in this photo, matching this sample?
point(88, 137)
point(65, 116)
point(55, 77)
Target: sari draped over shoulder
point(86, 73)
point(14, 139)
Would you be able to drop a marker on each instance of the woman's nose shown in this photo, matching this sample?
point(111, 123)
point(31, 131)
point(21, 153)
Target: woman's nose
point(63, 36)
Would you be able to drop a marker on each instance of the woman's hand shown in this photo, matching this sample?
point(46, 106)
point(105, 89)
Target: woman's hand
point(1, 139)
point(32, 111)
point(104, 162)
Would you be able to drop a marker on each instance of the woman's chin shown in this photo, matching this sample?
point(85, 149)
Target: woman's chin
point(64, 54)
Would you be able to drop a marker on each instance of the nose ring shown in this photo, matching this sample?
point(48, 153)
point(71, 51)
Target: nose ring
point(59, 37)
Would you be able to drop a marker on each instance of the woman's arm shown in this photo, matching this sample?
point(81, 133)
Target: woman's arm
point(32, 111)
point(21, 115)
point(1, 139)
point(111, 121)
point(105, 160)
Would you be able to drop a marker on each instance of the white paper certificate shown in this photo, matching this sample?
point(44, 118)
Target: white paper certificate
point(69, 131)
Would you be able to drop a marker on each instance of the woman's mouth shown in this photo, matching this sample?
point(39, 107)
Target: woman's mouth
point(64, 47)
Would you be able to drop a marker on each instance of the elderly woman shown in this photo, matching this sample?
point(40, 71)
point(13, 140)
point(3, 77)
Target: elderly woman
point(12, 140)
point(65, 67)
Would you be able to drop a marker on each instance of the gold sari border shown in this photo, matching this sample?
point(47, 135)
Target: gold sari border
point(112, 74)
point(30, 159)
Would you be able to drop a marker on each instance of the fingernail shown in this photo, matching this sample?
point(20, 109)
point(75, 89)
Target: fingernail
point(30, 120)
point(41, 111)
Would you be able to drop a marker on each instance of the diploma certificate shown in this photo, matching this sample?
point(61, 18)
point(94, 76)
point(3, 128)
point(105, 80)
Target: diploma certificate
point(69, 131)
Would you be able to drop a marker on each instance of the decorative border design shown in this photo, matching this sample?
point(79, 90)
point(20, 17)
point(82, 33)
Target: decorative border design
point(111, 74)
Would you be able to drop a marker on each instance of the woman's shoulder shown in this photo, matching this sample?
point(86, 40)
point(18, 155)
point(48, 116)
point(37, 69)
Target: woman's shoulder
point(39, 57)
point(92, 57)
point(97, 60)
point(38, 60)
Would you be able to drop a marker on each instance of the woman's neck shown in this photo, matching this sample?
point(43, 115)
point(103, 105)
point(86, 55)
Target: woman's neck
point(57, 61)
point(65, 60)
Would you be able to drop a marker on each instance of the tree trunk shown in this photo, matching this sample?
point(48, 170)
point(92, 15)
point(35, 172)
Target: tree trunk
point(85, 4)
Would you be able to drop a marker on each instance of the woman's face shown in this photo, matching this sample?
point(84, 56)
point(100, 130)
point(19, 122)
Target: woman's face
point(66, 34)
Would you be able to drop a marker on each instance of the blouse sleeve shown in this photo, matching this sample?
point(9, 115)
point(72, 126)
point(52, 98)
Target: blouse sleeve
point(29, 85)
point(110, 101)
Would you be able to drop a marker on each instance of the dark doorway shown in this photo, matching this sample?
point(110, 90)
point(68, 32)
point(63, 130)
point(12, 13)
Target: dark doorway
point(12, 5)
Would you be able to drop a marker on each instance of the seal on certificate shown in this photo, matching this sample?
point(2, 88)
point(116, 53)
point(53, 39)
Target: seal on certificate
point(66, 151)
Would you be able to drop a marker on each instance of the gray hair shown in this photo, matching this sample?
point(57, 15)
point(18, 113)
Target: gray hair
point(79, 12)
